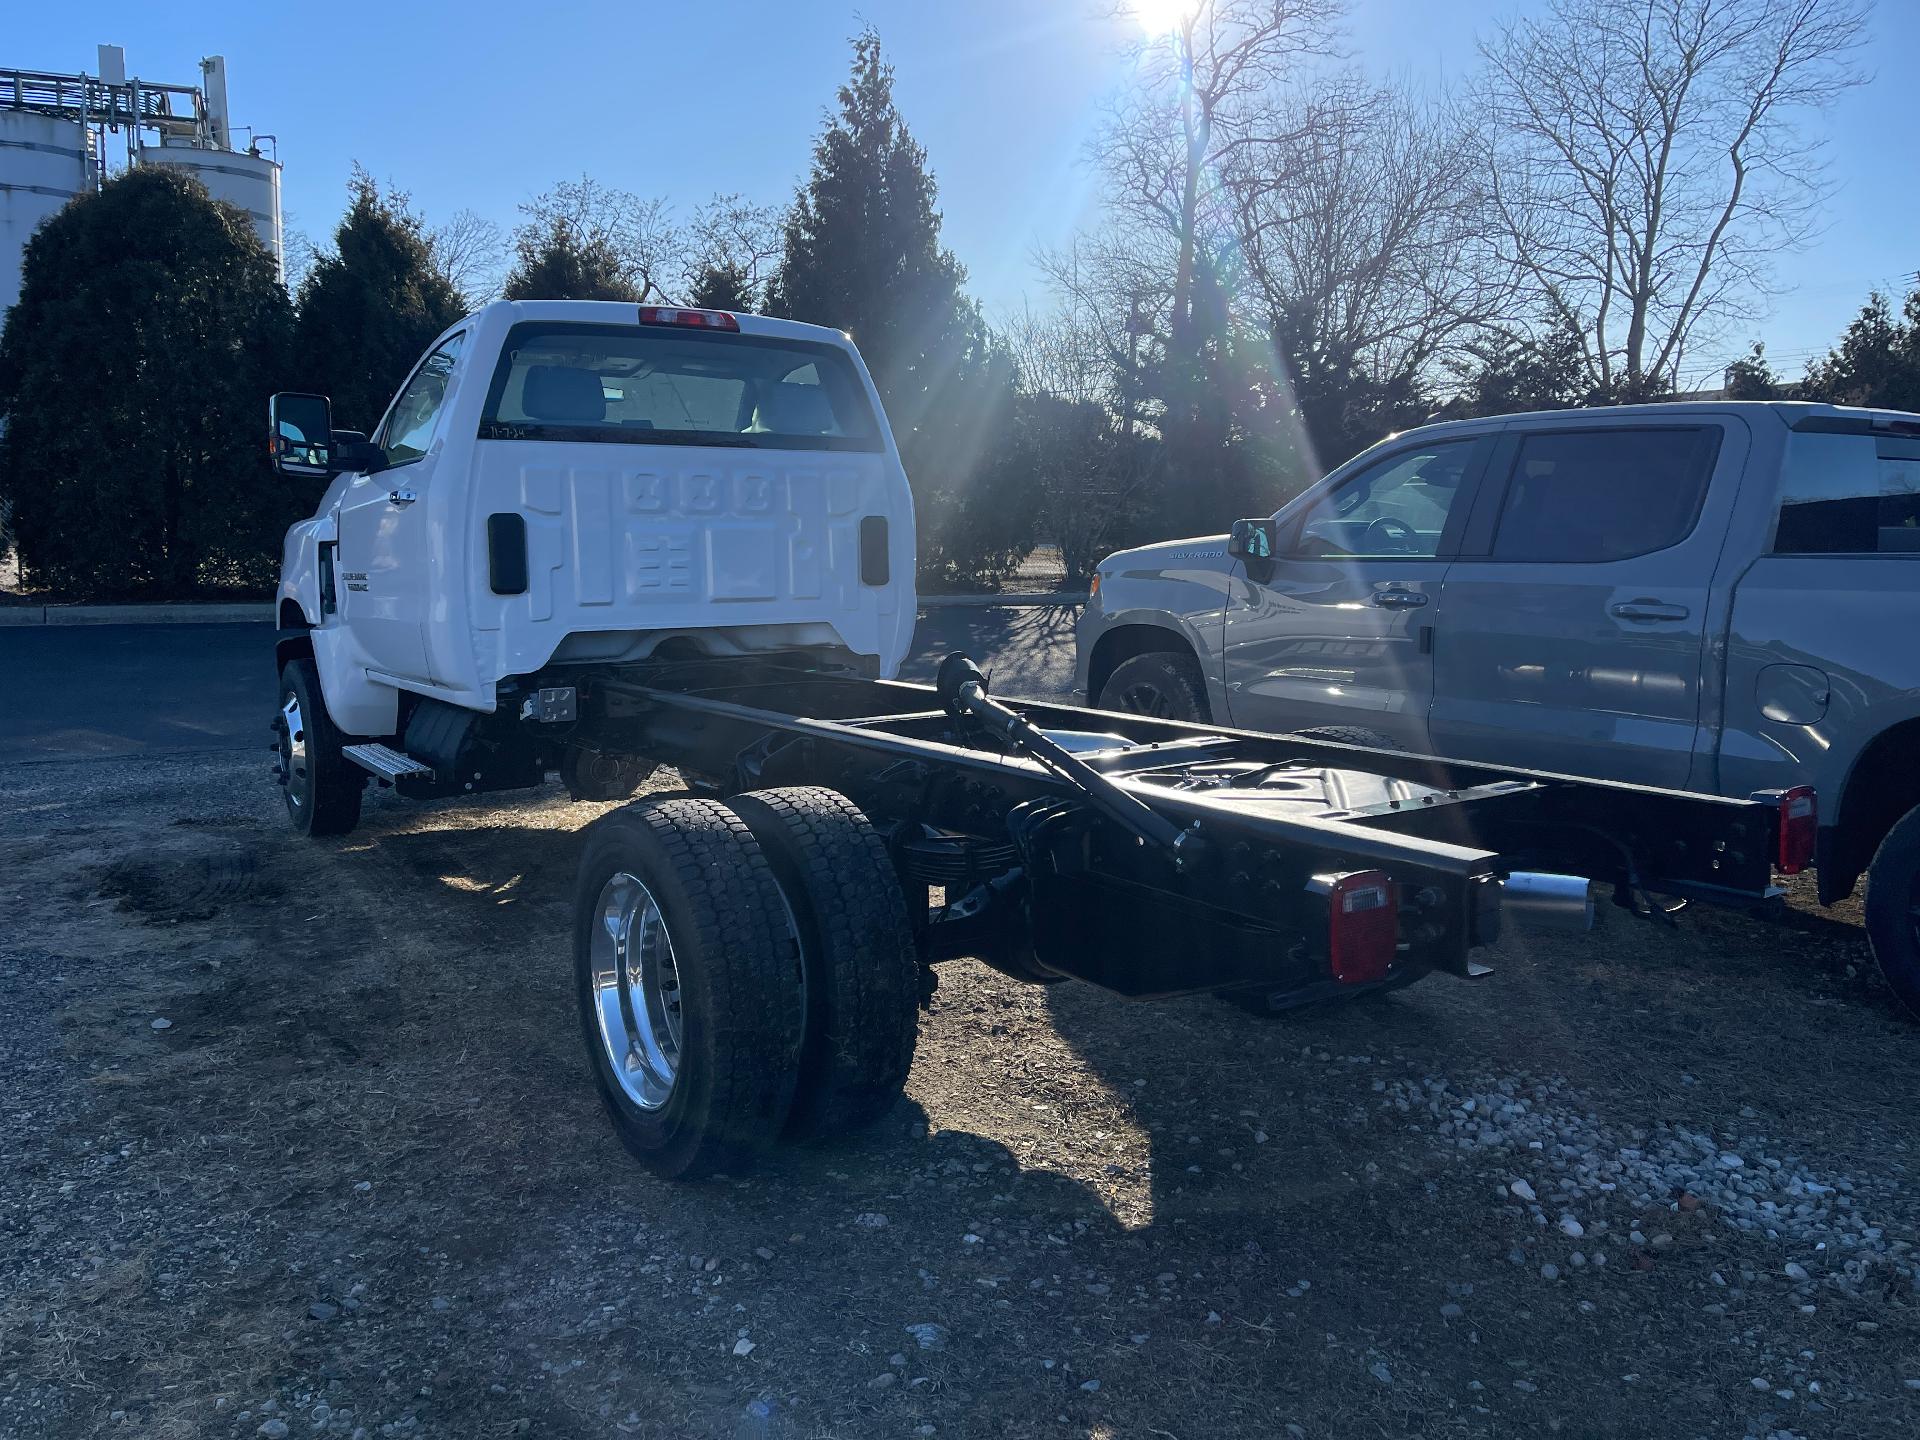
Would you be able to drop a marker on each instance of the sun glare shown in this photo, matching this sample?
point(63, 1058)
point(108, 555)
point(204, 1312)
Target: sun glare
point(1160, 17)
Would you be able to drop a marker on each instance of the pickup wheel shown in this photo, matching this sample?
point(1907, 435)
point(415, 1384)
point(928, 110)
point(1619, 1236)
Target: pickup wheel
point(1893, 909)
point(856, 947)
point(321, 787)
point(1165, 684)
point(689, 984)
point(602, 775)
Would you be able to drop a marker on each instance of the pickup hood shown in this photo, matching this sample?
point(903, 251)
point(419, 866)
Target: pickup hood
point(1169, 559)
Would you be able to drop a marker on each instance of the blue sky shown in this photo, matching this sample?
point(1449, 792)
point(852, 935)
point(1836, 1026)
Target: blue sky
point(481, 104)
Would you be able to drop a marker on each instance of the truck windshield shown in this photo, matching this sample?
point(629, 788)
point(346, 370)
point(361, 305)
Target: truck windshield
point(652, 385)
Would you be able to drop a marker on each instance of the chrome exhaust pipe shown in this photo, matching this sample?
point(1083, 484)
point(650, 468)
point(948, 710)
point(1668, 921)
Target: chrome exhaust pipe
point(1554, 902)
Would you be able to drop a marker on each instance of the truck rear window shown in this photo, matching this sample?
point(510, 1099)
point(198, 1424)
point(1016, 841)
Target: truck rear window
point(1850, 495)
point(652, 385)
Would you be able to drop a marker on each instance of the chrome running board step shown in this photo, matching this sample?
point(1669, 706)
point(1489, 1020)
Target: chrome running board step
point(387, 763)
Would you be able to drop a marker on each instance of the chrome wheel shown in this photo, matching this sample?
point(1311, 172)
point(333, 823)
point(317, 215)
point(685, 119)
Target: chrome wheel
point(292, 769)
point(636, 991)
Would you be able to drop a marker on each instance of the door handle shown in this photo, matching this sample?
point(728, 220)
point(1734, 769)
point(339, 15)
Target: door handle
point(1647, 610)
point(401, 497)
point(1399, 599)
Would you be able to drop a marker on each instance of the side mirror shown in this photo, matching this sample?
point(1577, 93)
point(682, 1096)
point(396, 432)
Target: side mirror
point(1252, 541)
point(300, 435)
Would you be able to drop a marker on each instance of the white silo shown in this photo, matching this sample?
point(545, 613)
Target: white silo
point(250, 181)
point(45, 160)
point(243, 177)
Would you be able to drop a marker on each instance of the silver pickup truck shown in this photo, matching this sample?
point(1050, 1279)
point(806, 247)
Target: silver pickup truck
point(1719, 597)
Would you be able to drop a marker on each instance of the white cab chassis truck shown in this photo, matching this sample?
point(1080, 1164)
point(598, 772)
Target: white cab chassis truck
point(595, 538)
point(575, 483)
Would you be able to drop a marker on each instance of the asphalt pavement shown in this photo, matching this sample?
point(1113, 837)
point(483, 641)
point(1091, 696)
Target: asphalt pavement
point(104, 691)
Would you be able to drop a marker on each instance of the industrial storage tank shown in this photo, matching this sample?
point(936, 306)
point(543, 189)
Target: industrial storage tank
point(45, 161)
point(248, 180)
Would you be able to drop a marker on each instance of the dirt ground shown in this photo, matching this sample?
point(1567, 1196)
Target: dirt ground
point(360, 1182)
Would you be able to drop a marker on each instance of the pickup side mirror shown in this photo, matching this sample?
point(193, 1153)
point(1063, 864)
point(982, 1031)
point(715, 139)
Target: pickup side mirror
point(1252, 541)
point(300, 435)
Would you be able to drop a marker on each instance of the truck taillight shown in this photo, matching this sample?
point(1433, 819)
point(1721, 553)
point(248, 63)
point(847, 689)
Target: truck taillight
point(1799, 826)
point(691, 319)
point(1363, 924)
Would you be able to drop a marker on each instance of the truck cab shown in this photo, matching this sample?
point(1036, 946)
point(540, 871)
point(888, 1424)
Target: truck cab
point(561, 485)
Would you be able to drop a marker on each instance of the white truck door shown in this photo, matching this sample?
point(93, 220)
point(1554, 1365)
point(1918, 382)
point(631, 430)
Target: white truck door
point(384, 578)
point(1336, 628)
point(1572, 626)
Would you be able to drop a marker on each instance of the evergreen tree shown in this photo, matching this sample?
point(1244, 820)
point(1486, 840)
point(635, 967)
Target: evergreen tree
point(369, 309)
point(723, 287)
point(1512, 376)
point(557, 260)
point(862, 253)
point(1877, 361)
point(134, 375)
point(1752, 378)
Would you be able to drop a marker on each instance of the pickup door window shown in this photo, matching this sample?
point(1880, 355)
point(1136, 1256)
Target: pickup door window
point(1571, 627)
point(1334, 629)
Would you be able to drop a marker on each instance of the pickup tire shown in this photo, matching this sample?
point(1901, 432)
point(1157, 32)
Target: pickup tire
point(602, 775)
point(688, 979)
point(322, 788)
point(1893, 910)
point(857, 950)
point(1351, 735)
point(1165, 684)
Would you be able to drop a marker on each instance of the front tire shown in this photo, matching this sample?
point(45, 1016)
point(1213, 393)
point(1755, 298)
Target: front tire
point(1165, 684)
point(689, 984)
point(321, 787)
point(1893, 910)
point(862, 969)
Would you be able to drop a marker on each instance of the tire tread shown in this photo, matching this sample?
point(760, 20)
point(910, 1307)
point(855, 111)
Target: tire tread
point(864, 983)
point(729, 929)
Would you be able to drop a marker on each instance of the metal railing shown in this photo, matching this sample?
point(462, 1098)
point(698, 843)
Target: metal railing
point(176, 108)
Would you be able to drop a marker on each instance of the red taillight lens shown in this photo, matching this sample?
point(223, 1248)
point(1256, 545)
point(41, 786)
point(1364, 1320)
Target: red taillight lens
point(1799, 826)
point(1363, 925)
point(692, 319)
point(1093, 586)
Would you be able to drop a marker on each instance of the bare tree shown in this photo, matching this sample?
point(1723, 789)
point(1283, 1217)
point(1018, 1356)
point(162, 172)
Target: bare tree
point(1647, 162)
point(1196, 109)
point(298, 255)
point(1092, 476)
point(1362, 244)
point(730, 233)
point(639, 233)
point(1117, 288)
point(471, 251)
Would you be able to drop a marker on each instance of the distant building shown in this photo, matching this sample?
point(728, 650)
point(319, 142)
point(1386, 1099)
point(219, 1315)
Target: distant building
point(55, 140)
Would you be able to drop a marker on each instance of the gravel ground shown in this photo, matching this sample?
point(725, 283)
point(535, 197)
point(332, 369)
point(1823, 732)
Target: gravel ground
point(302, 1143)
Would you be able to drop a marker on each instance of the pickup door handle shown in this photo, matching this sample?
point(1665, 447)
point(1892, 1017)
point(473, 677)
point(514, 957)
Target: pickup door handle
point(1647, 610)
point(1399, 599)
point(401, 497)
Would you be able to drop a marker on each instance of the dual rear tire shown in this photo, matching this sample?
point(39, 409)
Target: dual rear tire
point(745, 973)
